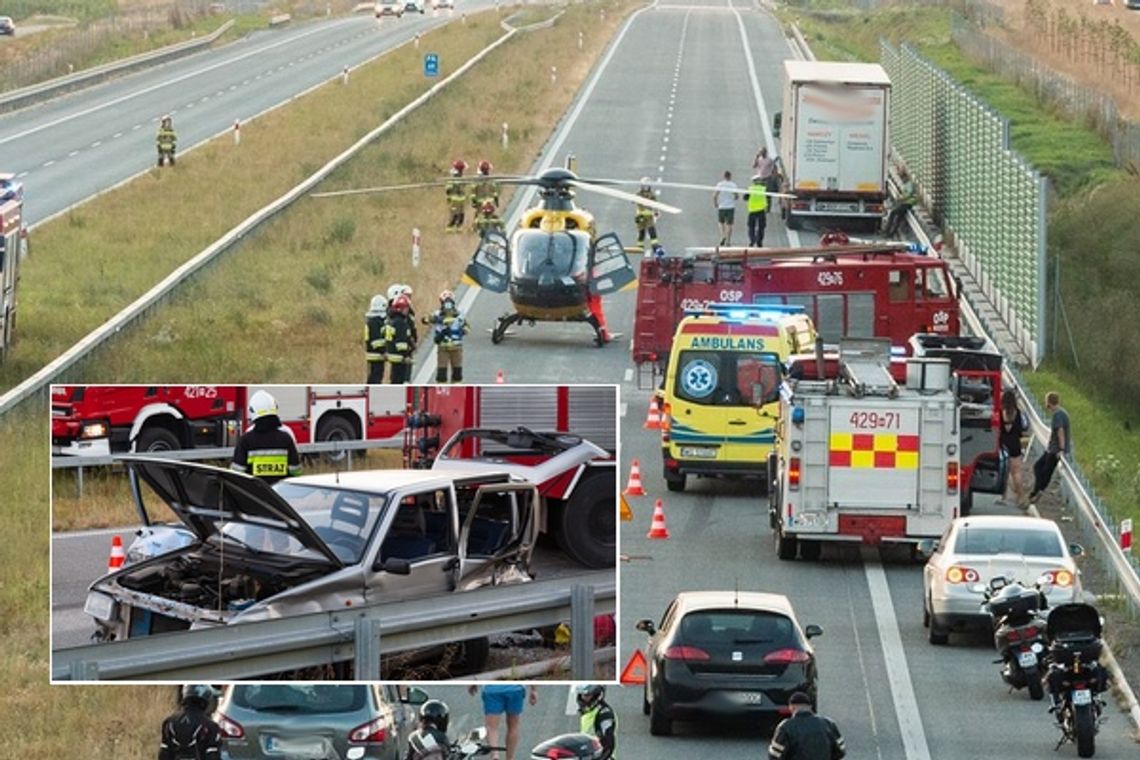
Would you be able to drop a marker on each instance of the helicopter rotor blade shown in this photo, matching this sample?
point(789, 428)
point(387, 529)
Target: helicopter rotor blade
point(382, 189)
point(624, 196)
point(691, 186)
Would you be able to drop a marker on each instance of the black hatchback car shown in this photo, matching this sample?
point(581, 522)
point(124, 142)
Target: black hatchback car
point(726, 654)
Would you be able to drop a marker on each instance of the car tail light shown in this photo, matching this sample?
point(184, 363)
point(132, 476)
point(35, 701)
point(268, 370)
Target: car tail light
point(231, 729)
point(689, 654)
point(960, 574)
point(1060, 577)
point(951, 477)
point(794, 473)
point(787, 657)
point(373, 732)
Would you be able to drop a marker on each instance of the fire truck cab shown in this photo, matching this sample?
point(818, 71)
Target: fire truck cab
point(860, 458)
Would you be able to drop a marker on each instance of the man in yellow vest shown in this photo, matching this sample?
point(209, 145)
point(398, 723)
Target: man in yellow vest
point(267, 450)
point(597, 718)
point(757, 211)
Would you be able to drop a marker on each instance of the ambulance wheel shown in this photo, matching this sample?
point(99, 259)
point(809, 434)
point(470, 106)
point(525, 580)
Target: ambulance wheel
point(675, 481)
point(786, 546)
point(810, 550)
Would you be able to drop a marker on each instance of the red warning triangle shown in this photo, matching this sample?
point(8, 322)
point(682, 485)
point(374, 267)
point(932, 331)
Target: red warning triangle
point(634, 672)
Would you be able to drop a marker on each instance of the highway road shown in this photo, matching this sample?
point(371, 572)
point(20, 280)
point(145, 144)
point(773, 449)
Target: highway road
point(69, 148)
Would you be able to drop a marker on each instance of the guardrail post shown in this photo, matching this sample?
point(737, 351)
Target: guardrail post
point(366, 650)
point(582, 632)
point(79, 481)
point(84, 670)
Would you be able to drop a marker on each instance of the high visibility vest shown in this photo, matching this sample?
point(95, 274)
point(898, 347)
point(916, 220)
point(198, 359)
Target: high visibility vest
point(588, 724)
point(374, 338)
point(757, 200)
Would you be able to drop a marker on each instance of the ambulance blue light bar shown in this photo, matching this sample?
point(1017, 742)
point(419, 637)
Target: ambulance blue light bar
point(745, 311)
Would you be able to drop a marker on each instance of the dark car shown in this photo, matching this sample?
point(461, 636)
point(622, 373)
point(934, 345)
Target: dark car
point(7, 26)
point(726, 654)
point(278, 720)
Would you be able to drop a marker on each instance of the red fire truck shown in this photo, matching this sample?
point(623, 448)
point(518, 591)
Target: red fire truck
point(882, 290)
point(96, 420)
point(13, 239)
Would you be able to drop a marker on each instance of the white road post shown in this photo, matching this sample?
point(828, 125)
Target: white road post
point(506, 136)
point(237, 131)
point(416, 247)
point(344, 75)
point(1126, 534)
point(416, 42)
point(553, 74)
point(580, 40)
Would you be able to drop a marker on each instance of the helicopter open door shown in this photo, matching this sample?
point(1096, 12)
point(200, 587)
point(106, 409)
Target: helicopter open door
point(490, 266)
point(610, 270)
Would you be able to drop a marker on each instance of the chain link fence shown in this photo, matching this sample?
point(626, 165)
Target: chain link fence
point(983, 194)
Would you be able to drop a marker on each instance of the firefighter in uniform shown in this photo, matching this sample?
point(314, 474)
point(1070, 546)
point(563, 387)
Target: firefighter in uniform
point(597, 718)
point(267, 450)
point(456, 192)
point(485, 189)
point(374, 338)
point(646, 218)
point(757, 199)
point(429, 741)
point(449, 327)
point(805, 735)
point(189, 734)
point(166, 140)
point(487, 220)
point(400, 339)
point(395, 290)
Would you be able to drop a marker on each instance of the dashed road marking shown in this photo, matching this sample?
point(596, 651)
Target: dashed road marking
point(96, 144)
point(73, 154)
point(629, 374)
point(48, 163)
point(116, 136)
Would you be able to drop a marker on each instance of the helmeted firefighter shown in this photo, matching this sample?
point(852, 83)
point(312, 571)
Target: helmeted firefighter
point(485, 189)
point(429, 741)
point(597, 718)
point(189, 734)
point(397, 289)
point(448, 327)
point(487, 220)
point(646, 218)
point(267, 450)
point(166, 140)
point(374, 320)
point(400, 339)
point(456, 192)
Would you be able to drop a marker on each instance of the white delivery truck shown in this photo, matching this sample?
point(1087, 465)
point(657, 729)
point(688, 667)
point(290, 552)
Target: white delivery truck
point(834, 132)
point(860, 456)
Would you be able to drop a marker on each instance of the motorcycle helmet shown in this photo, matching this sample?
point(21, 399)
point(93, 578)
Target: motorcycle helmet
point(401, 304)
point(434, 713)
point(262, 404)
point(378, 307)
point(485, 167)
point(458, 167)
point(197, 694)
point(569, 747)
point(589, 695)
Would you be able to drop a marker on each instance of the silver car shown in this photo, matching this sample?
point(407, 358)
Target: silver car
point(975, 549)
point(317, 722)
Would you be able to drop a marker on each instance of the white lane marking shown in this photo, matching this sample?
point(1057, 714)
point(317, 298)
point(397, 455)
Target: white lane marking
point(629, 374)
point(152, 88)
point(571, 702)
point(894, 656)
point(73, 154)
point(866, 676)
point(204, 98)
point(137, 126)
point(769, 141)
point(624, 408)
point(116, 136)
point(96, 144)
point(48, 163)
point(21, 175)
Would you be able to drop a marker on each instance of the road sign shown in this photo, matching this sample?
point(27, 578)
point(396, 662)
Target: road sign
point(431, 65)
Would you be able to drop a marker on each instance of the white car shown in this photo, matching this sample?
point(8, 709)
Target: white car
point(389, 8)
point(975, 549)
point(441, 4)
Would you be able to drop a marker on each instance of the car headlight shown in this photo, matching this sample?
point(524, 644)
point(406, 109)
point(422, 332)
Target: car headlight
point(99, 606)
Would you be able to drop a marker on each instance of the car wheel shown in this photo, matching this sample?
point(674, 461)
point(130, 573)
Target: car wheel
point(659, 724)
point(588, 529)
point(810, 550)
point(925, 615)
point(645, 698)
point(155, 438)
point(936, 634)
point(675, 481)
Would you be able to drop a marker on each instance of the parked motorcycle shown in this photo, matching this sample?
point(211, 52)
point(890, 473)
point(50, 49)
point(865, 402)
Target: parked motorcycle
point(1075, 678)
point(564, 746)
point(1019, 632)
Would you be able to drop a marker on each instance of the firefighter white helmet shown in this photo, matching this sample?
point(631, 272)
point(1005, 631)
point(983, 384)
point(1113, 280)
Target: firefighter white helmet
point(394, 290)
point(262, 404)
point(645, 183)
point(378, 307)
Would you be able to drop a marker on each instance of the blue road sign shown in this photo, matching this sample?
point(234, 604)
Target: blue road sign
point(431, 65)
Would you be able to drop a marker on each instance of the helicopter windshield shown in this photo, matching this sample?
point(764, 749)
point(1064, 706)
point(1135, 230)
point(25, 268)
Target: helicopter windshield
point(542, 255)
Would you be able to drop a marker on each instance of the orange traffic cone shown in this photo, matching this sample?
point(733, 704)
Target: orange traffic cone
point(500, 379)
point(117, 556)
point(658, 529)
point(634, 488)
point(653, 419)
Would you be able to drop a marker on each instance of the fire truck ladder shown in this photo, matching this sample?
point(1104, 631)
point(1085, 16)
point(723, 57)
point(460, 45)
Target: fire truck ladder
point(863, 364)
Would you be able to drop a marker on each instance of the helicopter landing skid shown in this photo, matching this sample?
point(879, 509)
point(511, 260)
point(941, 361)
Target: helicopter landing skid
point(502, 326)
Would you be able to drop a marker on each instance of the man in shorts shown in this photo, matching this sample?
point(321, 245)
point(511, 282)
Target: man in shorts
point(724, 200)
point(500, 699)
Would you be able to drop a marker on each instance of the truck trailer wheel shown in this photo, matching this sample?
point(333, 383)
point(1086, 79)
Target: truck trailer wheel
point(155, 438)
point(793, 222)
point(335, 428)
point(785, 545)
point(588, 527)
point(810, 550)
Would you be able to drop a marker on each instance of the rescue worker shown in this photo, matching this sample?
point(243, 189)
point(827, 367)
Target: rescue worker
point(646, 218)
point(267, 450)
point(486, 189)
point(429, 741)
point(189, 734)
point(395, 290)
point(757, 199)
point(166, 140)
point(487, 220)
point(805, 735)
point(597, 317)
point(456, 192)
point(399, 340)
point(597, 718)
point(906, 200)
point(449, 327)
point(374, 320)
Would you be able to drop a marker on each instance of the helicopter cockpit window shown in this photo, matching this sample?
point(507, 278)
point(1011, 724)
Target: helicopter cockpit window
point(557, 254)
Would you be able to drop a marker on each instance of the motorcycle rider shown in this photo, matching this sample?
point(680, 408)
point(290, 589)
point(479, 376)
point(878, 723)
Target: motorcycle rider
point(597, 718)
point(449, 327)
point(429, 741)
point(166, 140)
point(374, 320)
point(400, 340)
point(805, 735)
point(267, 450)
point(189, 734)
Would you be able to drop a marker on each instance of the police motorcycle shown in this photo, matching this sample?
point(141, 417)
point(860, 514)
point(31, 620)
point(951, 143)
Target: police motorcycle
point(1019, 632)
point(567, 746)
point(1075, 678)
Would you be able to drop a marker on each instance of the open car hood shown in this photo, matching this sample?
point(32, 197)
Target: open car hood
point(204, 497)
point(572, 457)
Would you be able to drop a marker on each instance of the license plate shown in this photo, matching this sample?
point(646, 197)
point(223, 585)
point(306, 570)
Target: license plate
point(1082, 697)
point(1026, 659)
point(701, 452)
point(295, 747)
point(837, 206)
point(751, 697)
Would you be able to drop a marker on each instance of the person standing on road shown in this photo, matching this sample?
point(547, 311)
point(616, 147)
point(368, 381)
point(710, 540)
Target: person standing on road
point(504, 699)
point(724, 201)
point(597, 718)
point(448, 327)
point(190, 734)
point(267, 450)
point(757, 200)
point(400, 339)
point(805, 735)
point(166, 140)
point(763, 165)
point(1060, 445)
point(374, 320)
point(645, 218)
point(1013, 428)
point(905, 202)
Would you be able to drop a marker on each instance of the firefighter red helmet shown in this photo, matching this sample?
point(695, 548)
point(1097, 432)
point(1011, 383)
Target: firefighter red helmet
point(485, 167)
point(488, 207)
point(458, 167)
point(401, 304)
